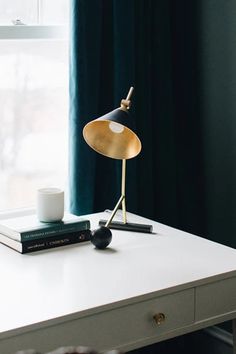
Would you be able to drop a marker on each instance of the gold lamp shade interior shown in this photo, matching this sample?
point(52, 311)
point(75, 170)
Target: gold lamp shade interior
point(111, 138)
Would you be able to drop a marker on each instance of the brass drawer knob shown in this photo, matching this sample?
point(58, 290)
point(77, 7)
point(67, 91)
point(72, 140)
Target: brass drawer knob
point(159, 318)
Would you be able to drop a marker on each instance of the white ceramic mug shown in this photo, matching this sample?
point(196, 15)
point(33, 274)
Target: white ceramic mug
point(50, 204)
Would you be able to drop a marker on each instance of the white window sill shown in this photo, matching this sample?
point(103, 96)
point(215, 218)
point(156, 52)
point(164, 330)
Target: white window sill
point(33, 32)
point(16, 212)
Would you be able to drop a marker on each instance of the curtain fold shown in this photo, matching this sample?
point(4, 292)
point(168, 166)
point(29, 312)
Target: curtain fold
point(123, 53)
point(178, 56)
point(85, 56)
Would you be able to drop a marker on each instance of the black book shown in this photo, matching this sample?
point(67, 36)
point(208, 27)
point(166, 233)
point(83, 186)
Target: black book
point(46, 242)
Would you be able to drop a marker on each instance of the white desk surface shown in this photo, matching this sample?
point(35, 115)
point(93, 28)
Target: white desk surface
point(68, 282)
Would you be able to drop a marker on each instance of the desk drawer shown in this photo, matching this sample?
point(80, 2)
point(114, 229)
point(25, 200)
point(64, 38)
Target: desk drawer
point(135, 322)
point(215, 299)
point(121, 327)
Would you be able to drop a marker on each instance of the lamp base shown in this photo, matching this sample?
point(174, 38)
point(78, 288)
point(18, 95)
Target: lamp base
point(127, 226)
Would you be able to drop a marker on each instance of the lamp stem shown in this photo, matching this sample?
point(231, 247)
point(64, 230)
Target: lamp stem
point(130, 93)
point(114, 211)
point(122, 197)
point(125, 104)
point(123, 190)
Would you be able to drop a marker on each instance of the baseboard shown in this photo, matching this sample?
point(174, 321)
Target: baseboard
point(220, 334)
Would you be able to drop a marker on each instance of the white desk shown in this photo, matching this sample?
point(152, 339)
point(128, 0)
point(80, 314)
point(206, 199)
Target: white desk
point(76, 295)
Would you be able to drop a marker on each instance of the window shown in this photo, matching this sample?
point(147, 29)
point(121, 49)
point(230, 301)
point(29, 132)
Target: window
point(33, 98)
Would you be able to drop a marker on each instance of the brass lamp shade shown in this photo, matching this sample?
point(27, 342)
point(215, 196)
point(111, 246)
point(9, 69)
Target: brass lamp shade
point(112, 135)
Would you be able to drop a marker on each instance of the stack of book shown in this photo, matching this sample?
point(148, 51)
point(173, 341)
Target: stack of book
point(24, 233)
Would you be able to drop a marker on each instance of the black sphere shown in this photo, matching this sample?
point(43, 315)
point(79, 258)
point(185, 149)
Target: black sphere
point(101, 237)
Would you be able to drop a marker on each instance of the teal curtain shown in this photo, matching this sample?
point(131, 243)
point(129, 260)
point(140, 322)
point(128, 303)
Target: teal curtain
point(179, 56)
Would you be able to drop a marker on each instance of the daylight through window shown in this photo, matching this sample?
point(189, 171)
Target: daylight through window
point(33, 98)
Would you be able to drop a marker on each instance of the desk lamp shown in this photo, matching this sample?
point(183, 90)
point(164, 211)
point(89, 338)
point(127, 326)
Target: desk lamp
point(112, 135)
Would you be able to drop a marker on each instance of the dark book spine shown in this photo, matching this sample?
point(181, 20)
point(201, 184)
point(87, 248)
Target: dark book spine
point(55, 229)
point(56, 241)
